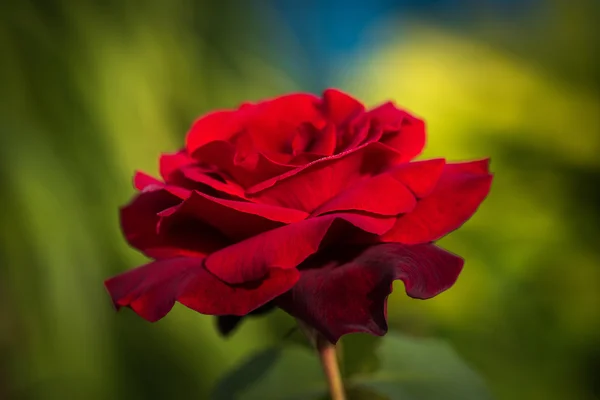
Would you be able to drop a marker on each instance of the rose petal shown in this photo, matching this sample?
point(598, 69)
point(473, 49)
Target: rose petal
point(382, 195)
point(304, 135)
point(272, 124)
point(325, 141)
point(459, 192)
point(146, 183)
point(308, 187)
point(237, 220)
point(288, 246)
point(339, 107)
point(170, 163)
point(139, 218)
point(151, 290)
point(208, 295)
point(420, 177)
point(342, 291)
point(400, 130)
point(222, 155)
point(215, 126)
point(220, 185)
point(180, 170)
point(309, 139)
point(143, 181)
point(388, 116)
point(478, 167)
point(139, 221)
point(358, 131)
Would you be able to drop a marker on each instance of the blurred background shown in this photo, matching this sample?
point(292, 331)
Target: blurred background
point(92, 90)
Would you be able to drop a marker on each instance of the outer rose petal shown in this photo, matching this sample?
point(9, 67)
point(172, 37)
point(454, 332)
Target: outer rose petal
point(237, 220)
point(400, 130)
point(143, 181)
point(170, 163)
point(390, 193)
point(340, 293)
point(288, 246)
point(310, 186)
point(146, 183)
point(420, 177)
point(151, 290)
point(381, 195)
point(219, 184)
point(215, 126)
point(459, 192)
point(339, 107)
point(180, 170)
point(139, 222)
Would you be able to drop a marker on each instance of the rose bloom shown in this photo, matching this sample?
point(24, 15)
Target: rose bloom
point(306, 203)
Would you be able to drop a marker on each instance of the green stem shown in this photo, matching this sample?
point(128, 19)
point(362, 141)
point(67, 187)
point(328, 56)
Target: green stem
point(329, 361)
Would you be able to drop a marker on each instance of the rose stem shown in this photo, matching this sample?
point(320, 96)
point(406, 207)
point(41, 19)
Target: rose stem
point(329, 361)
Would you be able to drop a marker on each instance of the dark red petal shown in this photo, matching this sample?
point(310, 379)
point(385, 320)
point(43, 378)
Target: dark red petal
point(151, 290)
point(458, 193)
point(302, 139)
point(140, 219)
point(344, 291)
point(143, 181)
point(146, 183)
point(340, 107)
point(388, 116)
point(222, 155)
point(325, 141)
point(208, 295)
point(400, 130)
point(215, 126)
point(213, 180)
point(237, 220)
point(382, 195)
point(288, 246)
point(181, 171)
point(273, 123)
point(308, 187)
point(358, 131)
point(309, 139)
point(481, 167)
point(170, 163)
point(420, 177)
point(410, 140)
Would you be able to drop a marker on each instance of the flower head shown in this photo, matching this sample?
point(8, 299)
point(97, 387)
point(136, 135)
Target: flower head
point(311, 204)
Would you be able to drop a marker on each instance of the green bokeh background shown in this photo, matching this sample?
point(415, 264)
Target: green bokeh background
point(91, 91)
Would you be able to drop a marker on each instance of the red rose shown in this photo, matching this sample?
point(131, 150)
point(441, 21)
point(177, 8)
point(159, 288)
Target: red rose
point(305, 203)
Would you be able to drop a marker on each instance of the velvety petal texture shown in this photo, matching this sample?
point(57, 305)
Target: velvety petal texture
point(313, 204)
point(458, 193)
point(345, 290)
point(151, 290)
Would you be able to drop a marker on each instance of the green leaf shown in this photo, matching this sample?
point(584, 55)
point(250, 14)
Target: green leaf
point(421, 369)
point(287, 373)
point(359, 353)
point(393, 368)
point(360, 393)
